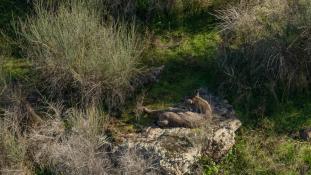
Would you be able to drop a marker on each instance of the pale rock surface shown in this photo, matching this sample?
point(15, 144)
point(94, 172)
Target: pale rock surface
point(175, 150)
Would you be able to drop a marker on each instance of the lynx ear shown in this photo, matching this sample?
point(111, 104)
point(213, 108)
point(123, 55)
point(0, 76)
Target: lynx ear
point(197, 93)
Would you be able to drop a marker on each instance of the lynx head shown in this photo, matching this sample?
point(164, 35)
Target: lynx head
point(192, 99)
point(196, 97)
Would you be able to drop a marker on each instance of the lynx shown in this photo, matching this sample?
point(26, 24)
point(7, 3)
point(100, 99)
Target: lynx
point(201, 106)
point(174, 117)
point(199, 113)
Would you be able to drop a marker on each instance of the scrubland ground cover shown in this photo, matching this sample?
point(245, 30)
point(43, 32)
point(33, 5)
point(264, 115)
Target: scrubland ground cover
point(67, 67)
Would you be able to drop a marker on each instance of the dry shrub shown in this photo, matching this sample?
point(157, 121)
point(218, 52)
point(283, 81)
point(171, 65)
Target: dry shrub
point(79, 155)
point(2, 75)
point(133, 163)
point(74, 50)
point(12, 143)
point(68, 154)
point(67, 142)
point(250, 21)
point(76, 152)
point(266, 47)
point(49, 146)
point(84, 149)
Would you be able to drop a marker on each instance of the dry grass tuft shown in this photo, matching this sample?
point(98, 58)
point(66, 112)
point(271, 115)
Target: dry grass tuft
point(12, 144)
point(85, 149)
point(133, 163)
point(74, 49)
point(71, 147)
point(66, 142)
point(266, 47)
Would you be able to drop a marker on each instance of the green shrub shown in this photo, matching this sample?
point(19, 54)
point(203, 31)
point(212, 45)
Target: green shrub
point(266, 47)
point(74, 49)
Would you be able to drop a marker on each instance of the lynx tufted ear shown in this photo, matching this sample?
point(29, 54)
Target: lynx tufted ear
point(197, 93)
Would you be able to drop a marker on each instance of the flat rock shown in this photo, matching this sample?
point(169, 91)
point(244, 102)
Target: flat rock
point(176, 150)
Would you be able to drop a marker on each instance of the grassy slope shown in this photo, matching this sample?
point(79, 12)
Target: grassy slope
point(188, 49)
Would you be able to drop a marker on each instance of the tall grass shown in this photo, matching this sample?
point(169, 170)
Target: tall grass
point(71, 147)
point(69, 141)
point(2, 75)
point(12, 144)
point(266, 47)
point(74, 49)
point(147, 10)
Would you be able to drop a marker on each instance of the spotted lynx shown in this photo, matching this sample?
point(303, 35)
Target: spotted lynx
point(196, 112)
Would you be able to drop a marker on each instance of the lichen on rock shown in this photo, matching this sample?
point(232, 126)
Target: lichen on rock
point(176, 149)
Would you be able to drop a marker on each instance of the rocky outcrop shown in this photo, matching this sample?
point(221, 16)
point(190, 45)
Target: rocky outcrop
point(176, 150)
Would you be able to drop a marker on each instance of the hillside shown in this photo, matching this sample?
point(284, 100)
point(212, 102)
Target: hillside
point(76, 77)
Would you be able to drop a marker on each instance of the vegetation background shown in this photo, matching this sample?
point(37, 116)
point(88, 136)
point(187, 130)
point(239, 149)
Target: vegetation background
point(70, 71)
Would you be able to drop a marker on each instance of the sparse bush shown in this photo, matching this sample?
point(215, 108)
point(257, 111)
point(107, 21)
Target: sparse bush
point(73, 49)
point(69, 141)
point(80, 146)
point(12, 143)
point(131, 162)
point(266, 47)
point(75, 151)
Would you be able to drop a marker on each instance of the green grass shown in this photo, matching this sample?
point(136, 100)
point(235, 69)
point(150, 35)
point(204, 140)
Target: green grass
point(264, 145)
point(190, 63)
point(257, 152)
point(188, 49)
point(190, 24)
point(17, 68)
